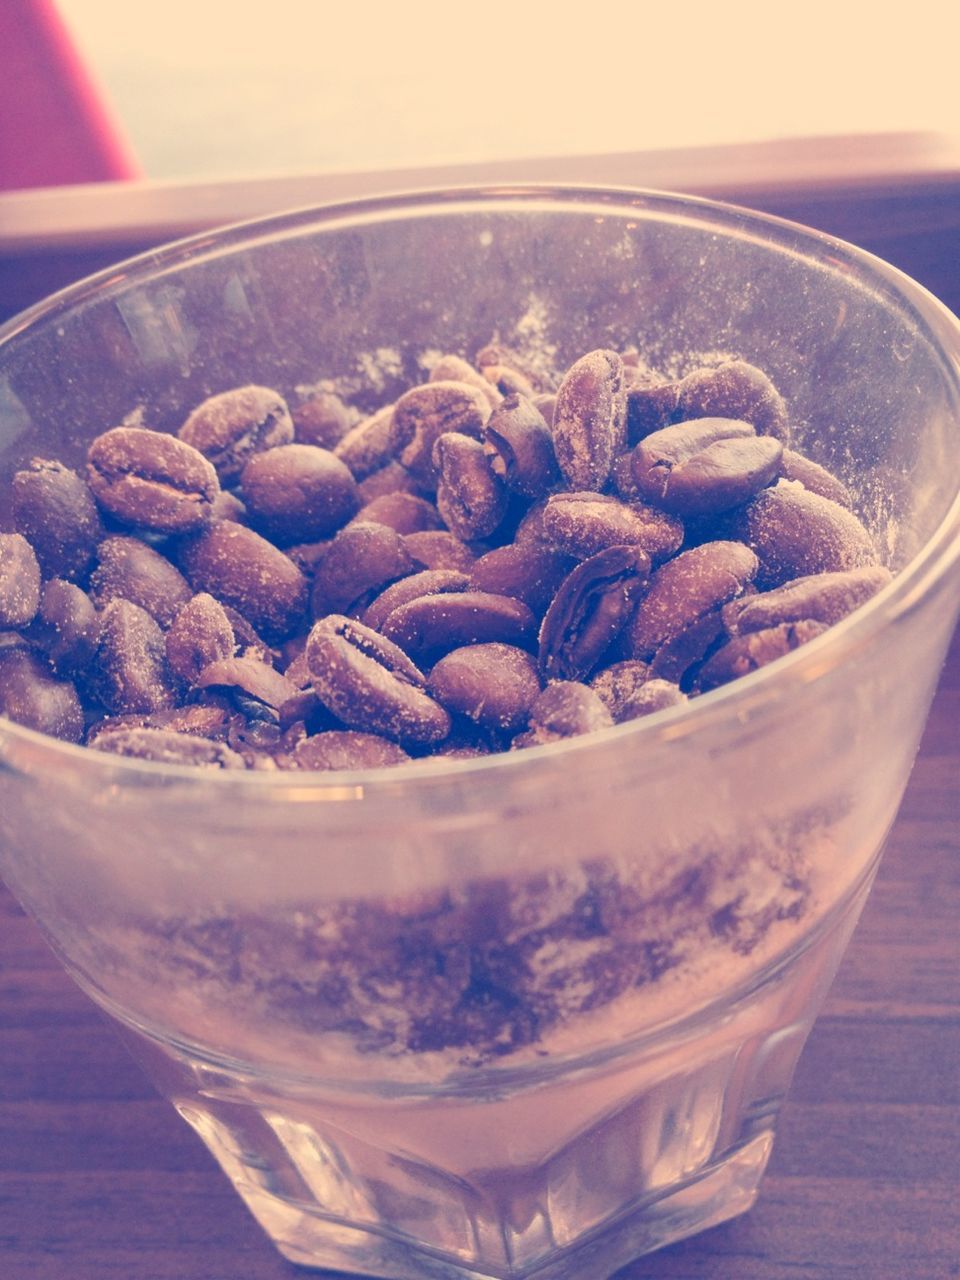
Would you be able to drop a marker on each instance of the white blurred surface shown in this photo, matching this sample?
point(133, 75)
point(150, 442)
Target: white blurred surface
point(209, 88)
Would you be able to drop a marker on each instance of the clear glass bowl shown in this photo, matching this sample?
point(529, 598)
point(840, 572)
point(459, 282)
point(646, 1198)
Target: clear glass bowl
point(534, 1013)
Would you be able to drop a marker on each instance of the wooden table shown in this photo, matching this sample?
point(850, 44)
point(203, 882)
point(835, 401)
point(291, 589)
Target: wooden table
point(99, 1179)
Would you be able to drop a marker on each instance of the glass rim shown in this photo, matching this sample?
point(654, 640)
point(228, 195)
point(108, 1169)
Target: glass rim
point(756, 692)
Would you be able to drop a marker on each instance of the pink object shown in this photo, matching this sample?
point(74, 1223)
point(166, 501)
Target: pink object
point(55, 127)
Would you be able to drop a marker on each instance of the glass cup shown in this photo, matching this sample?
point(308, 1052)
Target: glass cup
point(533, 1013)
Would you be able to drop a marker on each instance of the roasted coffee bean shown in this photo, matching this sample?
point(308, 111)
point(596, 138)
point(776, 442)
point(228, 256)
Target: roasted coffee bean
point(403, 512)
point(230, 427)
point(429, 582)
point(494, 685)
point(298, 493)
point(519, 443)
point(55, 511)
point(451, 368)
point(227, 506)
point(582, 524)
point(347, 749)
point(19, 581)
point(531, 573)
point(734, 389)
point(471, 498)
point(128, 569)
point(392, 478)
point(151, 481)
point(652, 403)
point(29, 695)
point(360, 561)
point(432, 625)
point(743, 654)
point(820, 597)
point(199, 635)
point(130, 672)
point(565, 709)
point(240, 568)
point(629, 691)
point(424, 413)
point(794, 466)
point(163, 746)
point(368, 446)
point(66, 627)
point(795, 532)
point(546, 402)
point(307, 556)
point(201, 719)
point(322, 419)
point(439, 549)
point(509, 382)
point(497, 355)
point(683, 590)
point(589, 610)
point(249, 642)
point(704, 466)
point(371, 684)
point(249, 676)
point(589, 421)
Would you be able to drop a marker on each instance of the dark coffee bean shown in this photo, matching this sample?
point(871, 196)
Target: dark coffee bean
point(498, 354)
point(583, 523)
point(55, 511)
point(240, 568)
point(705, 465)
point(509, 381)
point(590, 608)
point(163, 746)
point(19, 581)
point(151, 481)
point(128, 569)
point(371, 684)
point(308, 556)
point(66, 628)
point(519, 443)
point(30, 696)
point(391, 478)
point(589, 421)
point(743, 654)
point(546, 402)
point(360, 561)
point(795, 532)
point(200, 634)
point(619, 683)
point(347, 749)
point(679, 658)
point(471, 498)
point(794, 466)
point(368, 446)
point(201, 719)
point(227, 506)
point(686, 588)
point(130, 666)
point(651, 404)
point(565, 709)
point(432, 625)
point(820, 597)
point(403, 512)
point(249, 642)
point(429, 582)
point(734, 389)
point(531, 573)
point(249, 676)
point(424, 413)
point(451, 368)
point(230, 427)
point(298, 493)
point(495, 685)
point(322, 419)
point(439, 549)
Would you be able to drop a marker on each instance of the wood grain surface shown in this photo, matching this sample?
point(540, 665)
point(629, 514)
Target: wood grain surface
point(100, 1180)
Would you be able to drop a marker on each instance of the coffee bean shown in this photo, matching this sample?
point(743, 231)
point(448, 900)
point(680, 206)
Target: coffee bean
point(794, 466)
point(424, 413)
point(391, 478)
point(705, 465)
point(347, 749)
point(251, 677)
point(151, 481)
point(429, 582)
point(734, 389)
point(453, 368)
point(546, 402)
point(495, 685)
point(565, 709)
point(370, 684)
point(55, 511)
point(821, 597)
point(66, 627)
point(29, 695)
point(589, 421)
point(509, 381)
point(322, 419)
point(227, 506)
point(163, 746)
point(403, 512)
point(230, 427)
point(360, 561)
point(591, 606)
point(368, 446)
point(130, 666)
point(651, 404)
point(530, 573)
point(19, 581)
point(432, 625)
point(470, 497)
point(582, 524)
point(128, 569)
point(199, 635)
point(629, 691)
point(240, 568)
point(439, 549)
point(519, 443)
point(298, 493)
point(743, 654)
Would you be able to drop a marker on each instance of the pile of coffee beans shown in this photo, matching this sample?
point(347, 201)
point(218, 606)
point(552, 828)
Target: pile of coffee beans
point(489, 563)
